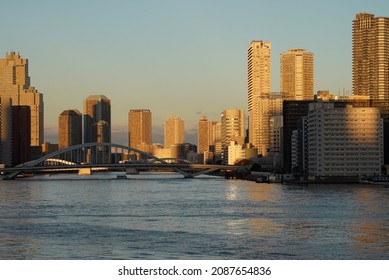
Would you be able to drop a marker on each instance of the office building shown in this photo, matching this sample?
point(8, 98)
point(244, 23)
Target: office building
point(259, 84)
point(297, 81)
point(174, 132)
point(140, 129)
point(15, 83)
point(69, 129)
point(371, 56)
point(97, 108)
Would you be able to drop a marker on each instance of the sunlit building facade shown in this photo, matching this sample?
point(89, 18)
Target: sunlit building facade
point(297, 81)
point(259, 84)
point(140, 129)
point(371, 56)
point(344, 141)
point(232, 129)
point(15, 83)
point(174, 131)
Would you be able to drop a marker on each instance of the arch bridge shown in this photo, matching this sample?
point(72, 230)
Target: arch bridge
point(107, 156)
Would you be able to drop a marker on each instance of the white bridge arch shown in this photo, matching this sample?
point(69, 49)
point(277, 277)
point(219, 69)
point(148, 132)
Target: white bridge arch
point(105, 155)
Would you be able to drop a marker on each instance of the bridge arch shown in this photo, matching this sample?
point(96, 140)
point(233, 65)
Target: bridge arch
point(81, 147)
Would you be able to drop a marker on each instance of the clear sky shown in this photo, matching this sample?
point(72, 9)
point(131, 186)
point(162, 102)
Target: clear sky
point(174, 56)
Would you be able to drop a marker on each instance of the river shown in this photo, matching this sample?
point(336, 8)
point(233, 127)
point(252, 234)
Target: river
point(163, 216)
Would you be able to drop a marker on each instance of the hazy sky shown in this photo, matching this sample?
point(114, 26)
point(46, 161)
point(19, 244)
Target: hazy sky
point(173, 57)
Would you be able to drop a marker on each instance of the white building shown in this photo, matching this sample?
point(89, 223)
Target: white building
point(235, 153)
point(344, 141)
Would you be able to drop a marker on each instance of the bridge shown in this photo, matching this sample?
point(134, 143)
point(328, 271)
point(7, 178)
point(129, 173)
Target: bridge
point(84, 158)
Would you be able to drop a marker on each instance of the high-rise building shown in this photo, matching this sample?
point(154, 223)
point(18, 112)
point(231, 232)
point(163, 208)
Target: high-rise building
point(15, 83)
point(371, 56)
point(21, 134)
point(174, 131)
point(206, 135)
point(97, 108)
point(267, 106)
point(5, 131)
point(232, 129)
point(69, 128)
point(140, 129)
point(259, 83)
point(297, 74)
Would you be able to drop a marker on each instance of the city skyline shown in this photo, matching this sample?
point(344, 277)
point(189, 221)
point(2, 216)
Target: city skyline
point(191, 54)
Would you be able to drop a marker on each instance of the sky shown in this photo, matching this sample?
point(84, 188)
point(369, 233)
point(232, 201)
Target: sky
point(187, 58)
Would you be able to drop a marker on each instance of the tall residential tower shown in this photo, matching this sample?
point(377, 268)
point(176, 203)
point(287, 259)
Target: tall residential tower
point(259, 84)
point(371, 56)
point(297, 74)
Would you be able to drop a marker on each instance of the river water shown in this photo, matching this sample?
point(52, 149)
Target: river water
point(162, 216)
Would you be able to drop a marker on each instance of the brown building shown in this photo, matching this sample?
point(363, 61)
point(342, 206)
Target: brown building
point(21, 134)
point(174, 131)
point(371, 56)
point(96, 108)
point(69, 128)
point(140, 129)
point(297, 74)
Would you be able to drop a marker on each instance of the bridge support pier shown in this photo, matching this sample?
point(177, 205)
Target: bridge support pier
point(132, 171)
point(85, 171)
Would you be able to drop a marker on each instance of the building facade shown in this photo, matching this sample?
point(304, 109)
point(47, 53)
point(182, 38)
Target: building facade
point(232, 129)
point(297, 82)
point(21, 134)
point(6, 131)
point(344, 141)
point(69, 128)
point(259, 83)
point(267, 106)
point(15, 83)
point(140, 129)
point(96, 108)
point(371, 56)
point(174, 131)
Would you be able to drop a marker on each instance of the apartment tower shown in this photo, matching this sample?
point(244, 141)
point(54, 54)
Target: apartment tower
point(259, 84)
point(296, 67)
point(371, 56)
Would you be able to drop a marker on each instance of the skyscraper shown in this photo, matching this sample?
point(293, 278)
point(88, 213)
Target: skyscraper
point(371, 56)
point(97, 108)
point(259, 83)
point(174, 131)
point(69, 128)
point(232, 129)
point(297, 74)
point(140, 130)
point(15, 83)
